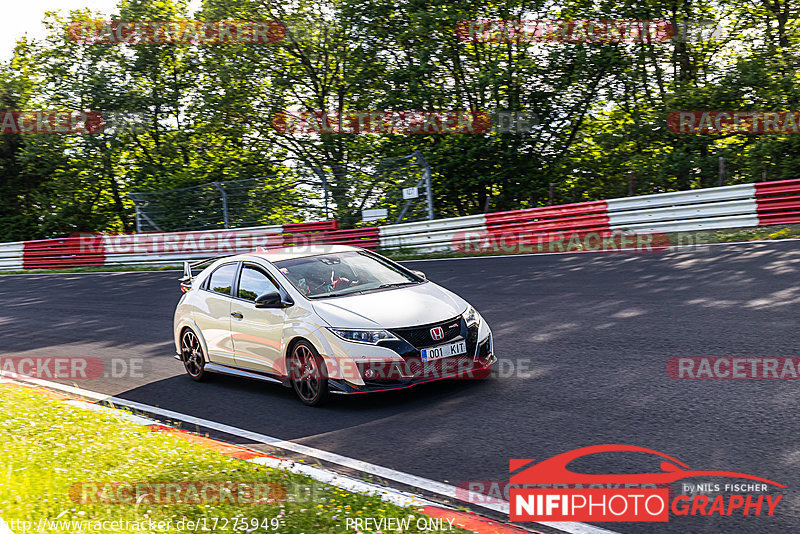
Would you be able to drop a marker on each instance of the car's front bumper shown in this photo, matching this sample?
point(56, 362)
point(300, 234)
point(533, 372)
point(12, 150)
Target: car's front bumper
point(409, 370)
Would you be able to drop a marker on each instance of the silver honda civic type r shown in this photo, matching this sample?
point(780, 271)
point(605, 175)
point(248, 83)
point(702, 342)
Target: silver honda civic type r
point(326, 319)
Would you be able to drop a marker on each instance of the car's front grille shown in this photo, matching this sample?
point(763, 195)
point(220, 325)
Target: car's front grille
point(421, 337)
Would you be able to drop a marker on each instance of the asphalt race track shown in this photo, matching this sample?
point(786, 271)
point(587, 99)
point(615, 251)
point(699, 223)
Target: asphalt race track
point(584, 340)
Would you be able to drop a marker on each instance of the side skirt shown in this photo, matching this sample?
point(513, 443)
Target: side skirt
point(241, 373)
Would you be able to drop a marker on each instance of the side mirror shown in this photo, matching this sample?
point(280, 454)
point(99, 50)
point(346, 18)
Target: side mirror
point(273, 299)
point(420, 274)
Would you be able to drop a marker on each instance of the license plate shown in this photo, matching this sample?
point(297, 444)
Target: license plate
point(444, 351)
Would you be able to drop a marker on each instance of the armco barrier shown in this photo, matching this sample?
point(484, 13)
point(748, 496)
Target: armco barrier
point(429, 236)
point(685, 211)
point(173, 247)
point(65, 252)
point(778, 202)
point(537, 224)
point(11, 256)
point(734, 206)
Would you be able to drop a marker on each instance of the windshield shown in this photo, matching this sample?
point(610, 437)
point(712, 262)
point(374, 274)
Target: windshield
point(330, 275)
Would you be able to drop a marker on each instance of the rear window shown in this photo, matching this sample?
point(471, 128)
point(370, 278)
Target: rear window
point(221, 280)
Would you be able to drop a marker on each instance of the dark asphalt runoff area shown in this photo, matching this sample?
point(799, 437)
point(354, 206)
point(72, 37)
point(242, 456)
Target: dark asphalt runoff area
point(583, 342)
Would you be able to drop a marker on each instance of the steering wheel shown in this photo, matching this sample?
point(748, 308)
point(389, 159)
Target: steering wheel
point(319, 288)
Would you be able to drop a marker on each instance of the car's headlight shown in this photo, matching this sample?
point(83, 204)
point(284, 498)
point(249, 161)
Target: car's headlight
point(471, 317)
point(373, 337)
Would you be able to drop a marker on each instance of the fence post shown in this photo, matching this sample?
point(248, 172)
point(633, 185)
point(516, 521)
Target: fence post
point(324, 179)
point(224, 204)
point(426, 176)
point(138, 218)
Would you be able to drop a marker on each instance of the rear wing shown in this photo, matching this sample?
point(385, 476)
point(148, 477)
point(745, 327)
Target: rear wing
point(186, 279)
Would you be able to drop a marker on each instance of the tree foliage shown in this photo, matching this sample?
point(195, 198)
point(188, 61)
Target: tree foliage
point(205, 113)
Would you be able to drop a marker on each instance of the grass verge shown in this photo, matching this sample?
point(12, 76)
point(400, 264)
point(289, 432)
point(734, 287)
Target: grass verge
point(48, 446)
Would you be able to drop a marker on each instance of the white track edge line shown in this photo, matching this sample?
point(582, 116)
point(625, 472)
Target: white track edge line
point(397, 497)
point(325, 476)
point(415, 481)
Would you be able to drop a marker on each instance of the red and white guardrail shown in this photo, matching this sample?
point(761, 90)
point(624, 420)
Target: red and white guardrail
point(735, 206)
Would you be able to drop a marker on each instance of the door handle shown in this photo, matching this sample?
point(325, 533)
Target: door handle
point(237, 315)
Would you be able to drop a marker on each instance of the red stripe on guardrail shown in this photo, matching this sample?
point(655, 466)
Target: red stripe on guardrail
point(778, 202)
point(78, 251)
point(357, 237)
point(583, 217)
point(310, 227)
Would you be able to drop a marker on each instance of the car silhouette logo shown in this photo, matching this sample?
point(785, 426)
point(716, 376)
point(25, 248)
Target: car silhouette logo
point(437, 333)
point(554, 470)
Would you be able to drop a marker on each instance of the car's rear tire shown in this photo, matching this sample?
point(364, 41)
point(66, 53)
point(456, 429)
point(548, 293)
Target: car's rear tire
point(308, 374)
point(192, 355)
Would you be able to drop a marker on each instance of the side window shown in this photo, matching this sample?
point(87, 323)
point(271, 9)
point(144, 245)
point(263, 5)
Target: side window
point(221, 280)
point(253, 283)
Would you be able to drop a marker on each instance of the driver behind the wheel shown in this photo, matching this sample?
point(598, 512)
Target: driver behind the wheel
point(323, 278)
point(341, 278)
point(316, 280)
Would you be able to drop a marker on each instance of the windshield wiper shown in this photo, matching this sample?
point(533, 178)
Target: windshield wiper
point(360, 291)
point(397, 284)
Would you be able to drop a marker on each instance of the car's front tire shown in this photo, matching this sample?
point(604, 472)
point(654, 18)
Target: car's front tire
point(192, 355)
point(308, 374)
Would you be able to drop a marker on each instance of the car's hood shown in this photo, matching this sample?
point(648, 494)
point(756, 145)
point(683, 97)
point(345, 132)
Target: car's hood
point(391, 308)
